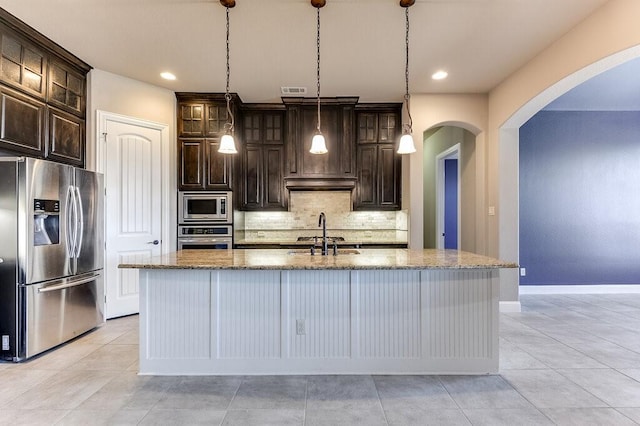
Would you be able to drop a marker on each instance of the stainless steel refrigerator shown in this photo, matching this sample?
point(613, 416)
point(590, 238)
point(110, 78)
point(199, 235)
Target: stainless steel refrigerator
point(51, 255)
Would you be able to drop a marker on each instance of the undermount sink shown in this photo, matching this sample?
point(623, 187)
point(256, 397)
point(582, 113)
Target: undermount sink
point(319, 251)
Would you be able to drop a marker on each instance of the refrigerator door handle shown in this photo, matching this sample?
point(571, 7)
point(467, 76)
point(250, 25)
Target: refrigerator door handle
point(79, 222)
point(70, 234)
point(68, 283)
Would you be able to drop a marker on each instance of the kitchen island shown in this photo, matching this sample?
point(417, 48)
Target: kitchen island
point(372, 311)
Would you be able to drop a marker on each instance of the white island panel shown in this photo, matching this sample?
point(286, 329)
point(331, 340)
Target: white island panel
point(318, 317)
point(247, 313)
point(461, 310)
point(175, 313)
point(388, 313)
point(319, 321)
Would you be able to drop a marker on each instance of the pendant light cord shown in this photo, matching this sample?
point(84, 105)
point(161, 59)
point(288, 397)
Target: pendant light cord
point(318, 65)
point(227, 95)
point(406, 72)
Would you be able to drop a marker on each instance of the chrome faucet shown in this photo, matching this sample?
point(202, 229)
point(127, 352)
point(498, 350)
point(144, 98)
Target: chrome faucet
point(322, 221)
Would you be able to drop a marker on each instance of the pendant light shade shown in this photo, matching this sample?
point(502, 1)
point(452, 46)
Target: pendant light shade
point(318, 145)
point(227, 145)
point(406, 145)
point(227, 142)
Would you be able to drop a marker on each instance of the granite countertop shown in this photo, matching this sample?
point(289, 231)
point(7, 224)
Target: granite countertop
point(249, 259)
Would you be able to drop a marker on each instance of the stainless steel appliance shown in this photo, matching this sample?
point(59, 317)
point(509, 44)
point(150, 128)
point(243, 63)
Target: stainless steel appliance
point(205, 220)
point(205, 237)
point(204, 207)
point(51, 255)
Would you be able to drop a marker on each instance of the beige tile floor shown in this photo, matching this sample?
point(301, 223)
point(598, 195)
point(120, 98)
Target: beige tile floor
point(568, 360)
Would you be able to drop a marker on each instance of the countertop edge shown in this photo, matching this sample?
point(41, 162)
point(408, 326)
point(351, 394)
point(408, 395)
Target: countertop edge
point(315, 268)
point(372, 259)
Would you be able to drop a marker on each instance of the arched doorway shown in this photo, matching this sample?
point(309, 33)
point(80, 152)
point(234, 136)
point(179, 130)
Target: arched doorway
point(442, 143)
point(509, 154)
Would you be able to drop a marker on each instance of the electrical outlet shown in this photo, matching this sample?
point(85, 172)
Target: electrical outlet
point(300, 327)
point(523, 272)
point(492, 210)
point(5, 342)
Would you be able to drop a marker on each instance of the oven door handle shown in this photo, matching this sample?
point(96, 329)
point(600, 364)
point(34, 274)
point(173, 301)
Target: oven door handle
point(67, 284)
point(205, 240)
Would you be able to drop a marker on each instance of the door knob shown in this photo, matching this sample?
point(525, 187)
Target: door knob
point(154, 242)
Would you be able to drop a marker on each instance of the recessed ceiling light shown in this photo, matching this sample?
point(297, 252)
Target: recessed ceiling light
point(167, 75)
point(440, 75)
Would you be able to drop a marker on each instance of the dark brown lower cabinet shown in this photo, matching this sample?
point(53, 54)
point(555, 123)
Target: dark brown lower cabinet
point(21, 123)
point(66, 138)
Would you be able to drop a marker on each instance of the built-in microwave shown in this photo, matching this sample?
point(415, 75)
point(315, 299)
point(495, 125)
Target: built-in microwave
point(204, 207)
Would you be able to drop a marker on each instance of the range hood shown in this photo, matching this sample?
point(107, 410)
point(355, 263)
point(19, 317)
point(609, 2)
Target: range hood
point(319, 184)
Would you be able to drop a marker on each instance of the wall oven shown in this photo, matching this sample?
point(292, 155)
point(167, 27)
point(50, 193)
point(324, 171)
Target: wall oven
point(204, 207)
point(205, 237)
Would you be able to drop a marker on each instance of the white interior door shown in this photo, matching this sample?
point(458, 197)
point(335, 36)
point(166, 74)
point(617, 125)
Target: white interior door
point(133, 204)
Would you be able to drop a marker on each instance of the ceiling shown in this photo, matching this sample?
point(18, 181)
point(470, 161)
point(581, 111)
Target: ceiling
point(479, 42)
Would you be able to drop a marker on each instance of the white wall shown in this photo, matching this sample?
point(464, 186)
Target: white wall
point(120, 95)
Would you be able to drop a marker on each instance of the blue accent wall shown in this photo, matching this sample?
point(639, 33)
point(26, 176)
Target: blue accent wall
point(451, 204)
point(580, 198)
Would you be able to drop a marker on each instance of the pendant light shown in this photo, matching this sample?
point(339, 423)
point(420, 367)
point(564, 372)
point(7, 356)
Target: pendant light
point(227, 142)
point(406, 145)
point(318, 145)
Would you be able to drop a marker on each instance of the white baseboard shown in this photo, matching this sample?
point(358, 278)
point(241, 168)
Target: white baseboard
point(579, 289)
point(510, 306)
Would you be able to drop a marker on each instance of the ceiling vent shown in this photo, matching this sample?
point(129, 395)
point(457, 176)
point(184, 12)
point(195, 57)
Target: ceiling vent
point(293, 91)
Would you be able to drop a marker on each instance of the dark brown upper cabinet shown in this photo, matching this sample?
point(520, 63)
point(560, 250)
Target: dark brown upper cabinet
point(66, 89)
point(334, 170)
point(201, 123)
point(377, 164)
point(43, 95)
point(190, 119)
point(191, 164)
point(204, 114)
point(22, 65)
point(22, 122)
point(261, 185)
point(202, 167)
point(273, 142)
point(66, 138)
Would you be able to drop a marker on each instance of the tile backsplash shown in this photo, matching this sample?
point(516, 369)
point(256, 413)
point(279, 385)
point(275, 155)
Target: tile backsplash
point(302, 220)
